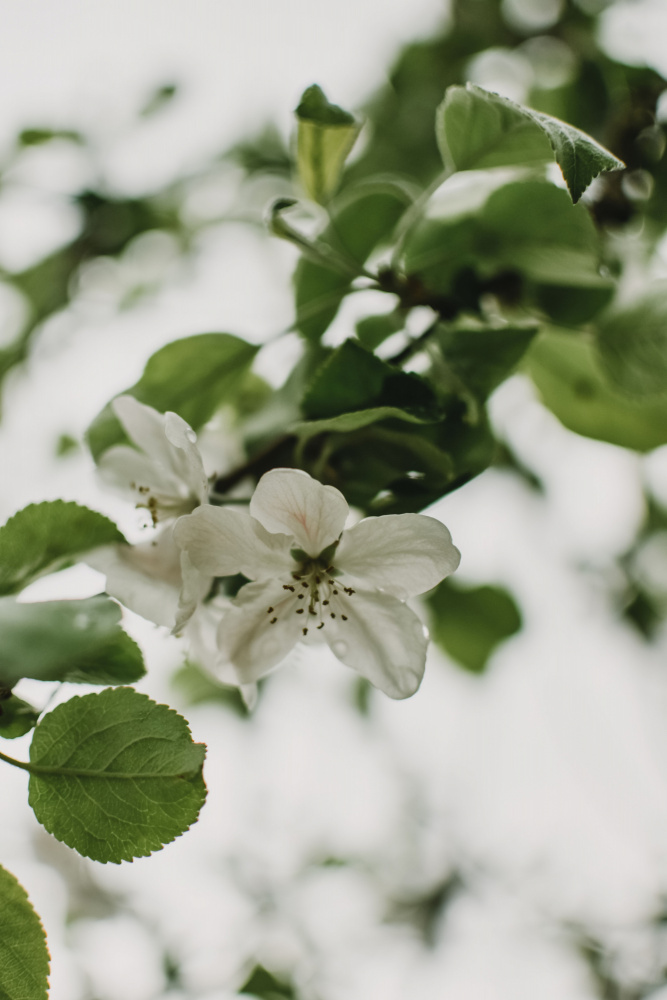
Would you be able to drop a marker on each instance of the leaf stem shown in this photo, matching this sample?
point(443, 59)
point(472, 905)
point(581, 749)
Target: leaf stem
point(76, 772)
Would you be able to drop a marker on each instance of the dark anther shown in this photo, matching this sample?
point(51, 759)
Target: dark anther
point(312, 611)
point(344, 617)
point(305, 631)
point(288, 586)
point(299, 611)
point(325, 602)
point(321, 625)
point(300, 596)
point(332, 615)
point(348, 590)
point(335, 591)
point(273, 621)
point(318, 579)
point(269, 610)
point(304, 584)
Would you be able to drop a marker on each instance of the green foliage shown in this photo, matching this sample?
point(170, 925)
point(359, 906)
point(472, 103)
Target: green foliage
point(481, 357)
point(477, 130)
point(347, 422)
point(265, 986)
point(470, 622)
point(24, 957)
point(44, 537)
point(373, 330)
point(361, 220)
point(632, 340)
point(573, 384)
point(79, 641)
point(193, 377)
point(352, 378)
point(115, 775)
point(529, 238)
point(17, 717)
point(196, 685)
point(325, 137)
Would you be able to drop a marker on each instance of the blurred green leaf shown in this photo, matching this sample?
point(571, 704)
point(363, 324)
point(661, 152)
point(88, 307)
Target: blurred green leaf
point(632, 340)
point(263, 984)
point(573, 384)
point(374, 330)
point(470, 622)
point(40, 136)
point(80, 641)
point(193, 377)
point(352, 378)
point(195, 685)
point(159, 99)
point(46, 536)
point(24, 957)
point(114, 775)
point(17, 717)
point(482, 357)
point(325, 136)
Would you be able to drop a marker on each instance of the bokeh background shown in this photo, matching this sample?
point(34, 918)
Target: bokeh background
point(503, 834)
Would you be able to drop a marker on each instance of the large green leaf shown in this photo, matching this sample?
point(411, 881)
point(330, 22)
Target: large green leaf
point(352, 378)
point(192, 377)
point(24, 957)
point(325, 136)
point(17, 717)
point(79, 641)
point(47, 536)
point(477, 129)
point(573, 384)
point(470, 622)
point(115, 775)
point(633, 342)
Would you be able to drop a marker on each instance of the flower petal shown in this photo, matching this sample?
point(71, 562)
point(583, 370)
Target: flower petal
point(185, 458)
point(221, 541)
point(382, 639)
point(145, 578)
point(144, 426)
point(137, 475)
point(290, 501)
point(404, 554)
point(259, 630)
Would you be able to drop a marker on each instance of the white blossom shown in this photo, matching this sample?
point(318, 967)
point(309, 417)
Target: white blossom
point(310, 579)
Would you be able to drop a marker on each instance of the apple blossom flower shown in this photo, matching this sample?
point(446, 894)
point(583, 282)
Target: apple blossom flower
point(164, 474)
point(311, 580)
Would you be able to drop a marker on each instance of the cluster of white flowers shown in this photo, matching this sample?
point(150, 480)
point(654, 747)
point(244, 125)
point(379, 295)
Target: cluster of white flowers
point(310, 578)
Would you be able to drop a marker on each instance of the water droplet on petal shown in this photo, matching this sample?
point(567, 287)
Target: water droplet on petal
point(339, 648)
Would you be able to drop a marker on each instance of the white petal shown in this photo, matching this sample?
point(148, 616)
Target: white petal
point(145, 578)
point(248, 638)
point(221, 541)
point(186, 460)
point(382, 639)
point(404, 554)
point(136, 474)
point(144, 426)
point(290, 501)
point(194, 588)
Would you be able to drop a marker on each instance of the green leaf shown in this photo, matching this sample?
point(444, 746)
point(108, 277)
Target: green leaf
point(482, 357)
point(265, 986)
point(46, 536)
point(348, 422)
point(192, 377)
point(632, 340)
point(579, 157)
point(470, 622)
point(17, 717)
point(325, 136)
point(352, 378)
point(477, 130)
point(573, 384)
point(374, 330)
point(24, 957)
point(196, 685)
point(78, 641)
point(362, 220)
point(115, 775)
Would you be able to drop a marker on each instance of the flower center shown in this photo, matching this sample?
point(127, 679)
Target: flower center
point(316, 594)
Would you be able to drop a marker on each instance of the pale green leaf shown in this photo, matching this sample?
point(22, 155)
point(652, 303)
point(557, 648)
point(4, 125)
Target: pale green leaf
point(193, 377)
point(573, 384)
point(79, 641)
point(470, 622)
point(24, 957)
point(325, 136)
point(115, 775)
point(633, 342)
point(47, 536)
point(348, 422)
point(17, 717)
